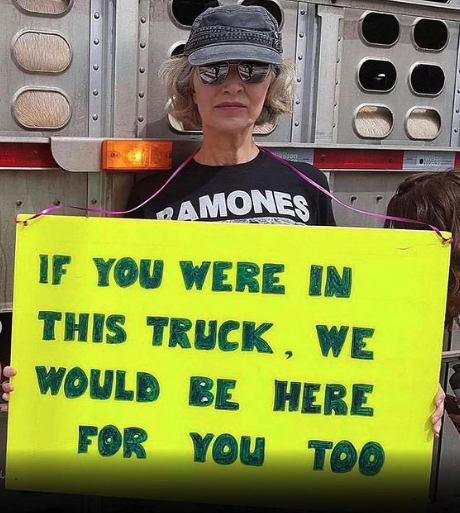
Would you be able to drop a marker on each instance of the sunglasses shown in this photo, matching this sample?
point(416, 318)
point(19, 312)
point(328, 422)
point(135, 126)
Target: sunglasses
point(249, 72)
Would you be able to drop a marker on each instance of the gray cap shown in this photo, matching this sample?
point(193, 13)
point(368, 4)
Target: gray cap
point(234, 32)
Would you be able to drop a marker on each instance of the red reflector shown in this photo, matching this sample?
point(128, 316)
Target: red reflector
point(26, 155)
point(358, 159)
point(457, 162)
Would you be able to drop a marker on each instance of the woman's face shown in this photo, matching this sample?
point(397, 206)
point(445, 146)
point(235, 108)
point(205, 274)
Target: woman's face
point(231, 106)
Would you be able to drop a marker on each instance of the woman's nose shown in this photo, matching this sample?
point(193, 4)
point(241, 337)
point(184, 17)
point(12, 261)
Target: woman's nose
point(232, 80)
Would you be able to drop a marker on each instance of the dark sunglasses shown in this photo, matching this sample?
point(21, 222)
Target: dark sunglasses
point(249, 72)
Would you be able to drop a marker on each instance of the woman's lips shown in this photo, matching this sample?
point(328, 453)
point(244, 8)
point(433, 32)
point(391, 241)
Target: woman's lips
point(230, 106)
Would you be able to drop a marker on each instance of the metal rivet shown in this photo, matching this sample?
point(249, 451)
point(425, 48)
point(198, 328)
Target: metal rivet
point(95, 92)
point(457, 111)
point(143, 19)
point(95, 67)
point(142, 70)
point(96, 41)
point(302, 12)
point(93, 201)
point(142, 45)
point(18, 203)
point(458, 90)
point(378, 198)
point(141, 94)
point(353, 199)
point(95, 117)
point(300, 57)
point(296, 123)
point(299, 79)
point(301, 34)
point(140, 118)
point(56, 203)
point(455, 130)
point(297, 102)
point(97, 15)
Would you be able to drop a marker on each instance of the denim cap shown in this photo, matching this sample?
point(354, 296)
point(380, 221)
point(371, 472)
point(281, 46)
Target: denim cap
point(234, 32)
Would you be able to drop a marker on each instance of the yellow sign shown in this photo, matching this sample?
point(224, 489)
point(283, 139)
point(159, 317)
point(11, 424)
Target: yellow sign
point(207, 362)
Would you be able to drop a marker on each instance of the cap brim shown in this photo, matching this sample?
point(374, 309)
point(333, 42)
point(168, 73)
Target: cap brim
point(219, 53)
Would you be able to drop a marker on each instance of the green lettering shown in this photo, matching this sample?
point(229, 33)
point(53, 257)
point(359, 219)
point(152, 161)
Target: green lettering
point(309, 398)
point(151, 279)
point(245, 277)
point(125, 272)
point(336, 285)
point(320, 448)
point(252, 337)
point(194, 275)
point(281, 396)
point(132, 440)
point(224, 330)
point(223, 396)
point(200, 446)
point(103, 269)
point(219, 276)
point(331, 339)
point(358, 344)
point(269, 282)
point(76, 383)
point(177, 335)
point(49, 380)
point(333, 400)
point(359, 398)
point(49, 319)
point(343, 457)
point(316, 279)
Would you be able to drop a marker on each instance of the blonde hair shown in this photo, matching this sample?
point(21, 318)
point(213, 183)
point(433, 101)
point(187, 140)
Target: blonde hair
point(177, 76)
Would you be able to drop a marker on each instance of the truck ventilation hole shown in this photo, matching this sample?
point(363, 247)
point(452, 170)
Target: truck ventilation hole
point(272, 7)
point(185, 11)
point(380, 29)
point(41, 109)
point(39, 52)
point(427, 79)
point(431, 34)
point(377, 75)
point(178, 50)
point(55, 7)
point(373, 121)
point(423, 124)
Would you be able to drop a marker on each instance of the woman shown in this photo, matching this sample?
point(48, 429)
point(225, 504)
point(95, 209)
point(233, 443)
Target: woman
point(232, 78)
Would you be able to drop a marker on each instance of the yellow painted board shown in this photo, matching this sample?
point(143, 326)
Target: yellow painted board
point(226, 363)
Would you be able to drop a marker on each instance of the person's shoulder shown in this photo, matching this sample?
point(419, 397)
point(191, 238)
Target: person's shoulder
point(310, 171)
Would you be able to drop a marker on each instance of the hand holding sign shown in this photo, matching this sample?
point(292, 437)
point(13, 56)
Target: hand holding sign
point(7, 387)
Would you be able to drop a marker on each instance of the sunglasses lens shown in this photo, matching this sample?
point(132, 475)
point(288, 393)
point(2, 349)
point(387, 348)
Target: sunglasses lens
point(249, 72)
point(213, 73)
point(253, 72)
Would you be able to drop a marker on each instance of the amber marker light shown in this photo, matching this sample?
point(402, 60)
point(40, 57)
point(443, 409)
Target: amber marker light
point(136, 155)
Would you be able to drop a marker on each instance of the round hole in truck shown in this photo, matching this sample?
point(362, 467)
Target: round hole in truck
point(272, 7)
point(41, 108)
point(373, 121)
point(184, 12)
point(427, 79)
point(41, 52)
point(377, 75)
point(380, 29)
point(47, 7)
point(430, 35)
point(423, 124)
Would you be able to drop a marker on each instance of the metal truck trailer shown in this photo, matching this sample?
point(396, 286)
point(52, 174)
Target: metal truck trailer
point(378, 87)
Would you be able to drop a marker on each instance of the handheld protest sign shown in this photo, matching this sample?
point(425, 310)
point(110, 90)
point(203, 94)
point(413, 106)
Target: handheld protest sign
point(226, 363)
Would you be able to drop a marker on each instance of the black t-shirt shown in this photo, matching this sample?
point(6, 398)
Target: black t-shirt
point(263, 191)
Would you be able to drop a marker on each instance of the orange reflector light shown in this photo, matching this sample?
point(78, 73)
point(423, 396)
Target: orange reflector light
point(136, 155)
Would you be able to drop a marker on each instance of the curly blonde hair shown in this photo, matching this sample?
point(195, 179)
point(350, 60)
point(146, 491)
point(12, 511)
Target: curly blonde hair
point(177, 76)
